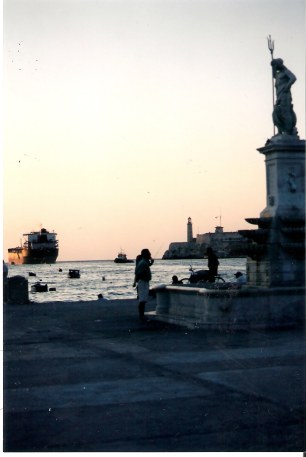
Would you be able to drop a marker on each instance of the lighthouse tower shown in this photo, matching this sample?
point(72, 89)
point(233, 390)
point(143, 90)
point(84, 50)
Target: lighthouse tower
point(189, 231)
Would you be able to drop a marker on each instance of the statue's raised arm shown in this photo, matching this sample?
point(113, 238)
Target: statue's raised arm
point(284, 117)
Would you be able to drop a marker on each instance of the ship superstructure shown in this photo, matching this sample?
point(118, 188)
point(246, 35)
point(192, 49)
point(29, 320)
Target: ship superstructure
point(37, 247)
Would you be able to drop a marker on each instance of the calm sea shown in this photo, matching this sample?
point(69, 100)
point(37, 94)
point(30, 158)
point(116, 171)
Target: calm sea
point(113, 280)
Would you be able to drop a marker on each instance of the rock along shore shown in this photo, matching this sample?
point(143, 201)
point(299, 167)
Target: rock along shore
point(88, 376)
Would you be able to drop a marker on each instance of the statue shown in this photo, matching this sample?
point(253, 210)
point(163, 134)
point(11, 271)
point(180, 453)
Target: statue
point(284, 118)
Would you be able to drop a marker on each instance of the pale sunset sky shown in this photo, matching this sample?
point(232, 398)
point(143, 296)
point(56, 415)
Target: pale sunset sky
point(122, 118)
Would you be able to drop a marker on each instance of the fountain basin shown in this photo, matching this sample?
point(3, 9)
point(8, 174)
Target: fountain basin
point(241, 309)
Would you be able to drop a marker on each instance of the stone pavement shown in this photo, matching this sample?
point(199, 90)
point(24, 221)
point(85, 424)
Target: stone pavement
point(88, 376)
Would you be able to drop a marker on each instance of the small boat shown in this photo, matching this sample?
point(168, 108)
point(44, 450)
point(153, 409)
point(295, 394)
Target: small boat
point(31, 273)
point(39, 287)
point(122, 258)
point(74, 273)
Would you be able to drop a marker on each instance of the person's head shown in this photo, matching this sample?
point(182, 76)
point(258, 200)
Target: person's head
point(174, 279)
point(209, 251)
point(100, 296)
point(238, 274)
point(146, 254)
point(277, 65)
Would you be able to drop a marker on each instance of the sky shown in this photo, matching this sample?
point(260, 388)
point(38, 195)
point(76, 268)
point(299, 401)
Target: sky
point(122, 118)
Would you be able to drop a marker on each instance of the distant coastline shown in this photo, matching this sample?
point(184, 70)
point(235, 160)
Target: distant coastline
point(225, 244)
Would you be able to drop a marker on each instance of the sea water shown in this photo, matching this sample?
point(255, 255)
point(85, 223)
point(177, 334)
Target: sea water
point(114, 281)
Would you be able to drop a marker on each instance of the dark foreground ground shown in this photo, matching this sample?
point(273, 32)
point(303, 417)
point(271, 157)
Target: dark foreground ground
point(88, 376)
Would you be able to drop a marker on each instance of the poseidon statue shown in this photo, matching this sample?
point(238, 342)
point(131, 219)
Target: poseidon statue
point(284, 117)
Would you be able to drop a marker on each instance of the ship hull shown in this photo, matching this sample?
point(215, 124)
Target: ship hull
point(123, 261)
point(27, 256)
point(38, 247)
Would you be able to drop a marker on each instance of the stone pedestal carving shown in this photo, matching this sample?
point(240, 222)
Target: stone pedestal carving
point(276, 256)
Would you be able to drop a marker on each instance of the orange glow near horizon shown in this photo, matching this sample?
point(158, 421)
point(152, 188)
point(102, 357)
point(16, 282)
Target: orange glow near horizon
point(124, 118)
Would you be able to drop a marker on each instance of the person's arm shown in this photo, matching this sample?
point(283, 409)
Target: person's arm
point(291, 79)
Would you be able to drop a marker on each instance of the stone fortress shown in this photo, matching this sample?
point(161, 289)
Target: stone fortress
point(225, 244)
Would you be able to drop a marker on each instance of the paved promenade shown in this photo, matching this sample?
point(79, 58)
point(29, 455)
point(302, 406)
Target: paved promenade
point(88, 376)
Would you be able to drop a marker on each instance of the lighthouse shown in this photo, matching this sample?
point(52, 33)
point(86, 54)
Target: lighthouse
point(189, 231)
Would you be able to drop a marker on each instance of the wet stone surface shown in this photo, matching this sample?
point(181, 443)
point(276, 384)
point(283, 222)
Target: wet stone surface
point(88, 376)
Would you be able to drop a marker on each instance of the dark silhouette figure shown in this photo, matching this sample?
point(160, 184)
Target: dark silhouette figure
point(213, 264)
point(142, 279)
point(284, 117)
point(176, 280)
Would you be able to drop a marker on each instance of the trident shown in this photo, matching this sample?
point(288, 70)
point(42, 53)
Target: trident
point(271, 49)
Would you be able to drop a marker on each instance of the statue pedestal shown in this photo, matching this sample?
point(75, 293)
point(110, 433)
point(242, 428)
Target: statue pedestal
point(277, 254)
point(285, 177)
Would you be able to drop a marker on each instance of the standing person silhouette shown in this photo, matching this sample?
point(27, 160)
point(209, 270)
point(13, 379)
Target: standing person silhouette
point(143, 277)
point(138, 259)
point(213, 264)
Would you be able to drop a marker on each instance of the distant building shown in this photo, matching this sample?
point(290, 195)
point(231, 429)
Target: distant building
point(225, 244)
point(185, 249)
point(189, 231)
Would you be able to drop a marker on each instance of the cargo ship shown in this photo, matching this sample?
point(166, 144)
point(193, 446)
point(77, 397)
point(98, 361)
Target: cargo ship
point(37, 247)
